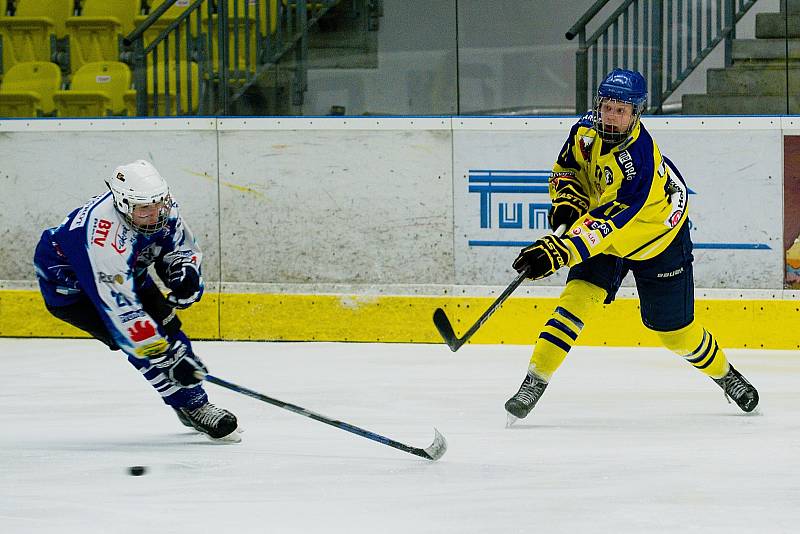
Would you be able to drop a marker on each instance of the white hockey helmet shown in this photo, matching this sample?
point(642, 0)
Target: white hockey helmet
point(140, 184)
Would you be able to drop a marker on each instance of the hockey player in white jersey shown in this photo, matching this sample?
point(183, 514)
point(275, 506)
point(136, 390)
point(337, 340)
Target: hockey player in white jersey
point(93, 273)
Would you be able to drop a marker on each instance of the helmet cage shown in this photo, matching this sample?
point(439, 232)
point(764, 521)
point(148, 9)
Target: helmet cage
point(164, 206)
point(607, 133)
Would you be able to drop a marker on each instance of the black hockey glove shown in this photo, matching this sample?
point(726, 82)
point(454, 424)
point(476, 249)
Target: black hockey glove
point(569, 204)
point(183, 279)
point(542, 258)
point(179, 363)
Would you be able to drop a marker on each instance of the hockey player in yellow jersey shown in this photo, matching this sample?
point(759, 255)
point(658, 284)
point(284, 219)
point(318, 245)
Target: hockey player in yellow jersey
point(625, 209)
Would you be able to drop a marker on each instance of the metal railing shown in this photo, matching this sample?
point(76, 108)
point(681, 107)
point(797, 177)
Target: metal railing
point(665, 40)
point(203, 59)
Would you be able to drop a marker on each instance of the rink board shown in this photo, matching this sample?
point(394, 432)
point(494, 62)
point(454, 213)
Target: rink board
point(376, 202)
point(737, 323)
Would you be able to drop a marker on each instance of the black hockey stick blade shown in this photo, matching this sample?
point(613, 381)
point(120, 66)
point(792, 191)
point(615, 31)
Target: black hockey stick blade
point(433, 452)
point(445, 329)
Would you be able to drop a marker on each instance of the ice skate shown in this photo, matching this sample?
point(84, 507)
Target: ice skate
point(216, 423)
point(523, 401)
point(737, 387)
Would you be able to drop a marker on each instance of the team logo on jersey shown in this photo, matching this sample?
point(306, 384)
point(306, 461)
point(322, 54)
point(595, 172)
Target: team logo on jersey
point(585, 145)
point(609, 174)
point(101, 230)
point(625, 162)
point(110, 278)
point(141, 330)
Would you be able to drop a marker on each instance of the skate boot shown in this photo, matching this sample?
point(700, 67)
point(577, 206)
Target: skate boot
point(737, 387)
point(216, 423)
point(523, 401)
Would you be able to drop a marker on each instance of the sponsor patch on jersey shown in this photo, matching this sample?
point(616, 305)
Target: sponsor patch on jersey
point(110, 278)
point(577, 231)
point(151, 349)
point(601, 227)
point(142, 330)
point(100, 233)
point(131, 315)
point(625, 161)
point(121, 237)
point(674, 218)
point(80, 218)
point(592, 238)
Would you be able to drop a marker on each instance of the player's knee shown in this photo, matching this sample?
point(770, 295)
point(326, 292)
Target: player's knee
point(681, 340)
point(582, 298)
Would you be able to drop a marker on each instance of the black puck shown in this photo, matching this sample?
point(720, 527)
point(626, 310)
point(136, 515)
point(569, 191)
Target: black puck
point(137, 470)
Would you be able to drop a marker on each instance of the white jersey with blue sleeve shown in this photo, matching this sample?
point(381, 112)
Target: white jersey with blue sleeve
point(96, 254)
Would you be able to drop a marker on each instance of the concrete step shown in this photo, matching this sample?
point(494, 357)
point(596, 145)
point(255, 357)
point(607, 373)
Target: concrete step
point(774, 25)
point(752, 80)
point(738, 105)
point(764, 50)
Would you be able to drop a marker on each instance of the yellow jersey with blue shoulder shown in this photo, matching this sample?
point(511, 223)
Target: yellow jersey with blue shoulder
point(637, 199)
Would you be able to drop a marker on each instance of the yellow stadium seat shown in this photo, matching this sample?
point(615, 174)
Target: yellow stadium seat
point(97, 89)
point(94, 35)
point(27, 89)
point(26, 35)
point(187, 69)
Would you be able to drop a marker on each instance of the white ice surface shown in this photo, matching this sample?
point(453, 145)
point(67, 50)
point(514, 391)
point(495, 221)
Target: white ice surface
point(624, 440)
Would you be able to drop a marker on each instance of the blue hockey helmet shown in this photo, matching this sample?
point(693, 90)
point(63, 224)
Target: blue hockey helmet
point(626, 86)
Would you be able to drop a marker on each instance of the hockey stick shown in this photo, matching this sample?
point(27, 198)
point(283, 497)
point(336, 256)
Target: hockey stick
point(445, 327)
point(433, 452)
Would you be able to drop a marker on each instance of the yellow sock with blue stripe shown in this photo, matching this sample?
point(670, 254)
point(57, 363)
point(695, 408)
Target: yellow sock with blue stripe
point(578, 304)
point(697, 346)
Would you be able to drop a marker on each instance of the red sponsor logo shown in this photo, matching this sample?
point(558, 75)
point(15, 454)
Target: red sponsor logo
point(120, 242)
point(101, 232)
point(675, 218)
point(142, 330)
